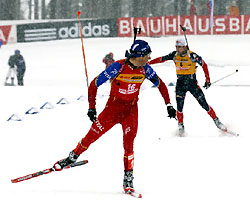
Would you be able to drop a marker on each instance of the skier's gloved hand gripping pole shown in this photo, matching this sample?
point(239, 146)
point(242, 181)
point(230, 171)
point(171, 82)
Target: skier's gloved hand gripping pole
point(171, 111)
point(92, 114)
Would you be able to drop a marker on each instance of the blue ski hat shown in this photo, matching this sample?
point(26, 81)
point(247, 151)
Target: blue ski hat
point(17, 52)
point(139, 48)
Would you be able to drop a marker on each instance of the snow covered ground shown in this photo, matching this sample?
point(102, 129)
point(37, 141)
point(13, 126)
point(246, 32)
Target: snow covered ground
point(202, 176)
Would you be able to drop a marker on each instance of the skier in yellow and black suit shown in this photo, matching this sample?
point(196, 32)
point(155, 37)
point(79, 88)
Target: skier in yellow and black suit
point(185, 62)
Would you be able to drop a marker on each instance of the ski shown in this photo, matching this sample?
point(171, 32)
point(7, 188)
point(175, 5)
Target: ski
point(230, 132)
point(46, 171)
point(181, 134)
point(133, 194)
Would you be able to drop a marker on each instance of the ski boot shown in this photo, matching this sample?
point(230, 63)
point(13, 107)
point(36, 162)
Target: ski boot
point(219, 124)
point(128, 182)
point(181, 128)
point(61, 164)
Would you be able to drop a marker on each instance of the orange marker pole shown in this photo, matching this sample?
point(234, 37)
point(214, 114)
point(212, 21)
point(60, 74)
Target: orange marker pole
point(84, 59)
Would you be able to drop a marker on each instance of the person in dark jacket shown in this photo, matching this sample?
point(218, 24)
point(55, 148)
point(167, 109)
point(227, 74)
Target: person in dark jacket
point(17, 67)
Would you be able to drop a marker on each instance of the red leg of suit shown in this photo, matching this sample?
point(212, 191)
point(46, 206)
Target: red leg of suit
point(104, 122)
point(115, 112)
point(211, 113)
point(129, 127)
point(179, 116)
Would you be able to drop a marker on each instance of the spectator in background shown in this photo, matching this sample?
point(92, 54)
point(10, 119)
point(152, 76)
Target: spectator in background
point(193, 10)
point(108, 59)
point(233, 9)
point(17, 67)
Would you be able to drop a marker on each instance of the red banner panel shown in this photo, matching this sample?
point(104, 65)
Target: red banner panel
point(124, 27)
point(171, 25)
point(188, 23)
point(246, 24)
point(227, 25)
point(203, 25)
point(155, 26)
point(195, 25)
point(140, 23)
point(4, 33)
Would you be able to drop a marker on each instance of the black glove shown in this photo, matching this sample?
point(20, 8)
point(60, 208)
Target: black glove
point(171, 111)
point(92, 114)
point(207, 85)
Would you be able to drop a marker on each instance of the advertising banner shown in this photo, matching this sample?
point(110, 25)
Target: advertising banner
point(195, 25)
point(123, 27)
point(66, 30)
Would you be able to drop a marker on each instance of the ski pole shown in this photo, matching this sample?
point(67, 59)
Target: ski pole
point(46, 171)
point(83, 53)
point(136, 30)
point(184, 31)
point(224, 77)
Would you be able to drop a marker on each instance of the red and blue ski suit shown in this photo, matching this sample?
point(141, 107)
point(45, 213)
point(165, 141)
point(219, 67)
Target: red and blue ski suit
point(121, 106)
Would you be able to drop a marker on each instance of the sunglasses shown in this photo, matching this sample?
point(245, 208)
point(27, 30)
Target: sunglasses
point(147, 55)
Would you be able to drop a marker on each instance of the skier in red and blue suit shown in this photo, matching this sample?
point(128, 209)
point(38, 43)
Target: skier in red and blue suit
point(126, 77)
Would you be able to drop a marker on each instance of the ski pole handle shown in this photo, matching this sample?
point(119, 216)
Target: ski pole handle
point(136, 30)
